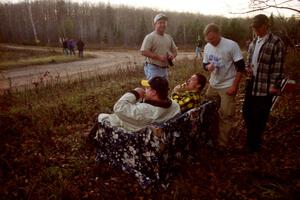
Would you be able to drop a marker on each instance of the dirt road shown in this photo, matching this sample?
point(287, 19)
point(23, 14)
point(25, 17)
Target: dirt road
point(103, 63)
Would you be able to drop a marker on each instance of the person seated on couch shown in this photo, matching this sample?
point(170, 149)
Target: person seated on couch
point(141, 107)
point(188, 94)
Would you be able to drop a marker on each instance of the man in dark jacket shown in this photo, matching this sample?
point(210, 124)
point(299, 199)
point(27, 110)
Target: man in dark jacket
point(80, 45)
point(65, 46)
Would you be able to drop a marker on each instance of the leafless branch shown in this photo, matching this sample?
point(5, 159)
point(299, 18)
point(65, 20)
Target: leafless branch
point(259, 5)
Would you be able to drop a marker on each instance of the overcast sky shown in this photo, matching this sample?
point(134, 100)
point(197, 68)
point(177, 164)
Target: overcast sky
point(207, 7)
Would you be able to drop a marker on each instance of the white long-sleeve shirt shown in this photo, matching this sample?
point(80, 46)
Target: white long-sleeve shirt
point(133, 115)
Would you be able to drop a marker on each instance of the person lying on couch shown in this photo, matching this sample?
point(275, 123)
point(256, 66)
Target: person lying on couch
point(141, 107)
point(188, 94)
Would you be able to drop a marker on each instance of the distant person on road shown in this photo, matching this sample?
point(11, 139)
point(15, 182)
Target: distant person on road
point(65, 46)
point(224, 60)
point(265, 73)
point(198, 49)
point(141, 107)
point(71, 46)
point(188, 94)
point(80, 46)
point(159, 49)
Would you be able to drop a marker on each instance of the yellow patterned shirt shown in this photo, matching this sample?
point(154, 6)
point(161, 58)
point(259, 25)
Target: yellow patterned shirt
point(187, 100)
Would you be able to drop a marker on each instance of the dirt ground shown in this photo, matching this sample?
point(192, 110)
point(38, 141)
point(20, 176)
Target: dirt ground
point(105, 62)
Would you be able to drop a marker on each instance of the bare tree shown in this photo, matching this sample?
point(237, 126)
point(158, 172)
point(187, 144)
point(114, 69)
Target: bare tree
point(259, 5)
point(102, 24)
point(32, 22)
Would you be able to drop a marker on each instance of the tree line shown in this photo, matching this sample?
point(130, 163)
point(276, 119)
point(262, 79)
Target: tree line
point(45, 22)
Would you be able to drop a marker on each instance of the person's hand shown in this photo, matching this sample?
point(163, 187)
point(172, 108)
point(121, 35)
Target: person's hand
point(274, 91)
point(141, 92)
point(249, 71)
point(163, 58)
point(179, 88)
point(171, 57)
point(232, 90)
point(210, 67)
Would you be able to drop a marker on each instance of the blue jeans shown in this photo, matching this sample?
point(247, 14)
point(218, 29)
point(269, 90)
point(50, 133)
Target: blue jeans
point(198, 52)
point(154, 71)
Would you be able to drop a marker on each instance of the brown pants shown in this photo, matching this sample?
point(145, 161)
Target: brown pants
point(226, 113)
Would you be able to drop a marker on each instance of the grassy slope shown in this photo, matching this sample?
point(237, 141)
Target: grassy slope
point(10, 58)
point(44, 154)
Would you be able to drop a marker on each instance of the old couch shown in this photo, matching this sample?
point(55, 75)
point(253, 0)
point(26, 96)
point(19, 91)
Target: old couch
point(152, 153)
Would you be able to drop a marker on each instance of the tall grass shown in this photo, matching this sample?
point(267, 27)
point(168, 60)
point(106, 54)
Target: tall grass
point(78, 99)
point(47, 125)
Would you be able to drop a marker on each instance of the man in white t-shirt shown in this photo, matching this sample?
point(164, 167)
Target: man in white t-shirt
point(224, 60)
point(159, 49)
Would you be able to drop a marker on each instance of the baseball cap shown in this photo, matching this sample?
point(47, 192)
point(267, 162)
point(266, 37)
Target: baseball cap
point(259, 20)
point(159, 17)
point(159, 84)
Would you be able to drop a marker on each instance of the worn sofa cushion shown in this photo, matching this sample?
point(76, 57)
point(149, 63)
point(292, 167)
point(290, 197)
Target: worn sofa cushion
point(151, 153)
